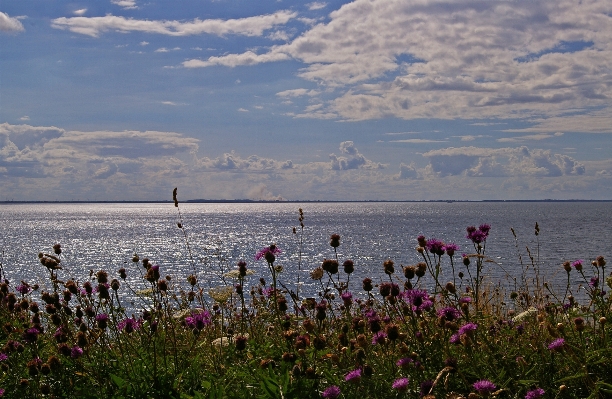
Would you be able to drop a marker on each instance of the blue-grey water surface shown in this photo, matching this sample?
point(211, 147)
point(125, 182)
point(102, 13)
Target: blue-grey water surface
point(105, 236)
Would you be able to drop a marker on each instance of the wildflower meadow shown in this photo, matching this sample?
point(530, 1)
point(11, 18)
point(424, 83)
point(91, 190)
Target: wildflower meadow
point(404, 333)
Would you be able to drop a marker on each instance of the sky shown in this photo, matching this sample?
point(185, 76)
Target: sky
point(325, 100)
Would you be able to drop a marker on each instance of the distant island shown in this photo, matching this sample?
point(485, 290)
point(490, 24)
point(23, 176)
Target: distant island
point(248, 201)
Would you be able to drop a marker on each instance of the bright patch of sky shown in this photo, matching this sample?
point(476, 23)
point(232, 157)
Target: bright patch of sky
point(324, 100)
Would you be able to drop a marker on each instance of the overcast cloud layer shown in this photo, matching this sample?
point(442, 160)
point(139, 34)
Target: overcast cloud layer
point(362, 100)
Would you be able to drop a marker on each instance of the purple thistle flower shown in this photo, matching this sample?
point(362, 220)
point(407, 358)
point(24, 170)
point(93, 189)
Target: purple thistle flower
point(465, 299)
point(556, 345)
point(331, 392)
point(535, 393)
point(435, 246)
point(102, 317)
point(31, 335)
point(451, 248)
point(484, 386)
point(577, 264)
point(198, 320)
point(353, 376)
point(419, 299)
point(594, 283)
point(449, 313)
point(468, 329)
point(485, 228)
point(1, 392)
point(3, 357)
point(129, 325)
point(404, 362)
point(268, 253)
point(477, 237)
point(455, 339)
point(379, 338)
point(401, 384)
point(23, 289)
point(76, 352)
point(347, 298)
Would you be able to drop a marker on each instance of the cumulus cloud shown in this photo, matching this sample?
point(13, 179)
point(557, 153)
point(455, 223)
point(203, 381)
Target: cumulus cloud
point(250, 26)
point(407, 171)
point(536, 137)
point(456, 59)
point(316, 5)
point(486, 162)
point(233, 60)
point(352, 159)
point(8, 24)
point(127, 4)
point(46, 162)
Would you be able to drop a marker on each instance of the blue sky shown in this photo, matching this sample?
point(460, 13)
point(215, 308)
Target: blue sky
point(336, 100)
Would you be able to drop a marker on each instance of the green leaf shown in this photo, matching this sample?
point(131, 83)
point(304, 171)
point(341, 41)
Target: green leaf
point(120, 382)
point(573, 377)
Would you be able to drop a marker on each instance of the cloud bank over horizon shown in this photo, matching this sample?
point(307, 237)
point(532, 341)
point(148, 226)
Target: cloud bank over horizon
point(57, 164)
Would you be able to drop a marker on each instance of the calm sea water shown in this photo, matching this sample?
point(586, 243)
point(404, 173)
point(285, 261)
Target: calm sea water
point(105, 236)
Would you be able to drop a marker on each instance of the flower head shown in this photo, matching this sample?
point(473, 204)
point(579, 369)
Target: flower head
point(435, 246)
point(401, 384)
point(23, 288)
point(577, 264)
point(76, 352)
point(484, 386)
point(353, 376)
point(198, 320)
point(449, 313)
point(379, 337)
point(268, 253)
point(129, 325)
point(419, 299)
point(404, 362)
point(451, 248)
point(331, 392)
point(535, 393)
point(478, 235)
point(468, 329)
point(556, 345)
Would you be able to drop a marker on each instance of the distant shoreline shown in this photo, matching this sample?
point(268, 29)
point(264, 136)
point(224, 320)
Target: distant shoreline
point(248, 201)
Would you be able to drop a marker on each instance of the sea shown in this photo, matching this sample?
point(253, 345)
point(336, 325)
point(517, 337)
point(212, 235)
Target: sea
point(213, 237)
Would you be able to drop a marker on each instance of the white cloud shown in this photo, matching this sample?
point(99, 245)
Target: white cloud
point(417, 141)
point(457, 59)
point(250, 26)
point(316, 5)
point(8, 24)
point(126, 4)
point(24, 118)
point(352, 159)
point(279, 35)
point(407, 172)
point(80, 12)
point(243, 110)
point(146, 165)
point(297, 93)
point(486, 162)
point(233, 60)
point(533, 137)
point(143, 43)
